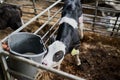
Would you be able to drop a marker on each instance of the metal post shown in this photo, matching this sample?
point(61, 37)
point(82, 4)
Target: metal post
point(95, 15)
point(40, 66)
point(114, 26)
point(34, 7)
point(118, 25)
point(50, 29)
point(31, 20)
point(47, 21)
point(4, 67)
point(48, 14)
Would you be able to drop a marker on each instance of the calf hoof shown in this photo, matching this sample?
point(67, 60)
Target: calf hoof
point(79, 63)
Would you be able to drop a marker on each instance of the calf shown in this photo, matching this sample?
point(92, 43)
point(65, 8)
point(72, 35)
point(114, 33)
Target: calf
point(10, 16)
point(68, 36)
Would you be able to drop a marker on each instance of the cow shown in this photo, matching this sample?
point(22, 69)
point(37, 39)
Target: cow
point(10, 16)
point(68, 37)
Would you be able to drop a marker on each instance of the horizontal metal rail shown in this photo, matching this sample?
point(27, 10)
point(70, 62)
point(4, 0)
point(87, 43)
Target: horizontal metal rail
point(109, 1)
point(47, 21)
point(100, 8)
point(40, 66)
point(50, 29)
point(19, 74)
point(51, 35)
point(31, 20)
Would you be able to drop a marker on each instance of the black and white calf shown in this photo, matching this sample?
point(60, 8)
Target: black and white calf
point(68, 36)
point(10, 16)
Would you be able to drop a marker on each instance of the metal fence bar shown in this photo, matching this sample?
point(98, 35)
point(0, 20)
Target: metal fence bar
point(89, 15)
point(96, 6)
point(5, 67)
point(35, 63)
point(118, 29)
point(31, 20)
point(50, 29)
point(49, 14)
point(19, 74)
point(47, 21)
point(40, 66)
point(51, 35)
point(114, 25)
point(34, 7)
point(110, 1)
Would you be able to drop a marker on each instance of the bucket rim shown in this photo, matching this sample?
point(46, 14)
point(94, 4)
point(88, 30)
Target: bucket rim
point(25, 55)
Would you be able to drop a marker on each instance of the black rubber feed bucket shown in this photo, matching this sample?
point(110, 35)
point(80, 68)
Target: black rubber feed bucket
point(28, 45)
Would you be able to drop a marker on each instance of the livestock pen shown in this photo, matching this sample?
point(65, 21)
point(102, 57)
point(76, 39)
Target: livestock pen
point(100, 48)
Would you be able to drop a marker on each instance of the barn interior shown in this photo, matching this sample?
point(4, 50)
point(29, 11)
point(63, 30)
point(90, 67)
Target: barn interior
point(99, 50)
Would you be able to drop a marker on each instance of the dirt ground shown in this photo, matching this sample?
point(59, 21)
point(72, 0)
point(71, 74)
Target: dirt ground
point(100, 57)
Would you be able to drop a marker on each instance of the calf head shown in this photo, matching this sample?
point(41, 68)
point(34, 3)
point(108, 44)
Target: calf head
point(15, 19)
point(54, 55)
point(10, 16)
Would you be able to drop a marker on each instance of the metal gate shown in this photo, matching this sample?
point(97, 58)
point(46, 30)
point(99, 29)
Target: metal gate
point(92, 19)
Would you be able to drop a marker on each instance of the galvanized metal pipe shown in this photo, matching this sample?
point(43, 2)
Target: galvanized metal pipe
point(51, 35)
point(31, 20)
point(47, 21)
point(96, 6)
point(19, 74)
point(5, 67)
point(114, 25)
point(40, 66)
point(86, 6)
point(34, 7)
point(50, 29)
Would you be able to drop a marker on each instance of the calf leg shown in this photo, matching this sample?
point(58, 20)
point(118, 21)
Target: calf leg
point(78, 61)
point(59, 67)
point(81, 27)
point(76, 53)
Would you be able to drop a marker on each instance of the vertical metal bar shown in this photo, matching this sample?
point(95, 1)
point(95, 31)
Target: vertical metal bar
point(50, 29)
point(40, 66)
point(51, 35)
point(31, 20)
point(118, 25)
point(47, 21)
point(114, 26)
point(4, 67)
point(35, 11)
point(118, 29)
point(48, 14)
point(96, 8)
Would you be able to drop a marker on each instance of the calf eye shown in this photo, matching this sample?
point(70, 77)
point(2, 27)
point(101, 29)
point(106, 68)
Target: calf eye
point(57, 56)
